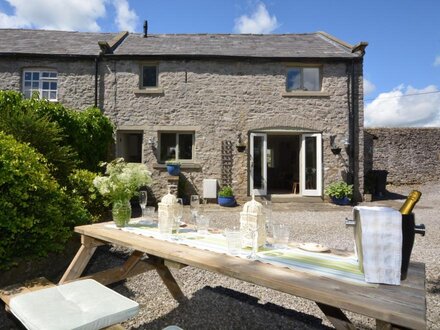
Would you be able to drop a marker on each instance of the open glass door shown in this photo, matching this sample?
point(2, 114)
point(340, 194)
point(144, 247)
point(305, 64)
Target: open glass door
point(311, 165)
point(258, 164)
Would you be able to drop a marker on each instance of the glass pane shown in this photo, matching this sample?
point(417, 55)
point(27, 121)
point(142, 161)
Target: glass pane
point(53, 74)
point(27, 76)
point(45, 85)
point(27, 84)
point(258, 162)
point(35, 75)
point(45, 74)
point(310, 163)
point(53, 86)
point(149, 76)
point(53, 95)
point(35, 84)
point(185, 146)
point(311, 79)
point(45, 94)
point(167, 146)
point(27, 94)
point(293, 81)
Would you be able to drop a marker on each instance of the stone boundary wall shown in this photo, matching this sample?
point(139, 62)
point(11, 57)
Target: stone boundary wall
point(410, 155)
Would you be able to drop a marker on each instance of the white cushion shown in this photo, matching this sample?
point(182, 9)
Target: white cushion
point(84, 304)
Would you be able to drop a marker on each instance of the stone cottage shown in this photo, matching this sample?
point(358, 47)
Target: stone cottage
point(278, 115)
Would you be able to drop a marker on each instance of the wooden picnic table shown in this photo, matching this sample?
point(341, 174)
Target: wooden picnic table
point(391, 306)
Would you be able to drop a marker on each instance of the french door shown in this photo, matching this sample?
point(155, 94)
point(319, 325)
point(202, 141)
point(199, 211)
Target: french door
point(258, 164)
point(311, 165)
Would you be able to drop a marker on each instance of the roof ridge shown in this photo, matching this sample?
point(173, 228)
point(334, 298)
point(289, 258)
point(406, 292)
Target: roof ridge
point(65, 31)
point(224, 34)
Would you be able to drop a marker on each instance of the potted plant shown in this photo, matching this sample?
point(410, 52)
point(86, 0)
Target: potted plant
point(340, 192)
point(173, 167)
point(119, 185)
point(226, 197)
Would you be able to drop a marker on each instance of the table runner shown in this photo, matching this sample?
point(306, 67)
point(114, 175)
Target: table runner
point(343, 268)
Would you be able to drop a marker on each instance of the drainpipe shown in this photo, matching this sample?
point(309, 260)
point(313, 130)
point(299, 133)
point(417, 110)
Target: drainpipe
point(354, 113)
point(96, 80)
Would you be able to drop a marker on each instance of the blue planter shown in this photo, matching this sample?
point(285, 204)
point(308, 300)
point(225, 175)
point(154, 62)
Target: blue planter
point(173, 169)
point(341, 201)
point(226, 201)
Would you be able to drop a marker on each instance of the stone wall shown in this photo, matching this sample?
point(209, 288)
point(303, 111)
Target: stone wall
point(410, 155)
point(220, 99)
point(76, 78)
point(217, 99)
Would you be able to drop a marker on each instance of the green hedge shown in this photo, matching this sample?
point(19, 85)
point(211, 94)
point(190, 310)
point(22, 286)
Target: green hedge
point(36, 214)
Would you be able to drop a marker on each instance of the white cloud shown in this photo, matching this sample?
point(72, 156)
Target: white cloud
point(398, 108)
point(437, 61)
point(259, 21)
point(53, 14)
point(126, 18)
point(369, 87)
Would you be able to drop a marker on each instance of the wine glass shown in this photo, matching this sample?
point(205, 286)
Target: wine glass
point(267, 210)
point(178, 215)
point(143, 197)
point(194, 206)
point(254, 236)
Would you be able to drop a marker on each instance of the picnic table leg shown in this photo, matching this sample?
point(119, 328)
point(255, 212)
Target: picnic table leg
point(81, 259)
point(336, 317)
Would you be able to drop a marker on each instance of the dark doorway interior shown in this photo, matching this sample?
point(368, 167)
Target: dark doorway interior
point(130, 146)
point(282, 163)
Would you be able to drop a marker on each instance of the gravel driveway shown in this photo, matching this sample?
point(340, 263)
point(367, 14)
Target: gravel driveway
point(219, 302)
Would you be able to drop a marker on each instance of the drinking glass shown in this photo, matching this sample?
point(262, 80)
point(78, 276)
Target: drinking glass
point(233, 238)
point(143, 197)
point(195, 207)
point(178, 215)
point(150, 215)
point(281, 234)
point(267, 210)
point(254, 236)
point(202, 223)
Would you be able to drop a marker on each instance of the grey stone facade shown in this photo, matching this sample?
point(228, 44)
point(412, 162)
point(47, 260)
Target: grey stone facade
point(410, 155)
point(217, 98)
point(221, 99)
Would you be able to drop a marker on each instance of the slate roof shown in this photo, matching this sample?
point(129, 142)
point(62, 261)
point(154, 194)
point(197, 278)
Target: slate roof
point(65, 43)
point(313, 45)
point(45, 42)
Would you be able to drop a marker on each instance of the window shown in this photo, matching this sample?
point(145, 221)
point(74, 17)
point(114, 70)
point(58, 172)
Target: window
point(176, 146)
point(303, 79)
point(43, 82)
point(149, 76)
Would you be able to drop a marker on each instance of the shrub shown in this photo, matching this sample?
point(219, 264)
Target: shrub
point(339, 189)
point(226, 191)
point(81, 185)
point(35, 213)
point(87, 134)
point(42, 134)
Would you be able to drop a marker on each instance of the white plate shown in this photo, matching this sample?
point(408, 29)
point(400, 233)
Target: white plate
point(313, 247)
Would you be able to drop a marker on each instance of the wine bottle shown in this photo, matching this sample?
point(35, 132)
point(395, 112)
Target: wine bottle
point(410, 202)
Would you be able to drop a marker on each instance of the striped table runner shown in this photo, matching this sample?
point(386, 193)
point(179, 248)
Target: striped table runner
point(343, 268)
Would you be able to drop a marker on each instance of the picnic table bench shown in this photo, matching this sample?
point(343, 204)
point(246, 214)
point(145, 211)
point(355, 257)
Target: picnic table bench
point(393, 307)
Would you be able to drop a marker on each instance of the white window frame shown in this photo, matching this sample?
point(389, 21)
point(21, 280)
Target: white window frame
point(177, 133)
point(40, 82)
point(301, 68)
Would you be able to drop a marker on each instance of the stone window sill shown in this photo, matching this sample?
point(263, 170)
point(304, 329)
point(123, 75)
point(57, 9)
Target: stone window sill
point(149, 91)
point(183, 166)
point(306, 94)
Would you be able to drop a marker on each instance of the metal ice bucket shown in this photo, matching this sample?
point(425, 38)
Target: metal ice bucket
point(409, 229)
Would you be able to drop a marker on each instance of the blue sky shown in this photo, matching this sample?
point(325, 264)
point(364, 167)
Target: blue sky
point(403, 56)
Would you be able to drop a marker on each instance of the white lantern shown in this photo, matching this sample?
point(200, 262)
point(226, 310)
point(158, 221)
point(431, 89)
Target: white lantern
point(166, 209)
point(252, 218)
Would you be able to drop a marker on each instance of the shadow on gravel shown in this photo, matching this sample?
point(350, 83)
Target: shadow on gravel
point(433, 286)
point(222, 308)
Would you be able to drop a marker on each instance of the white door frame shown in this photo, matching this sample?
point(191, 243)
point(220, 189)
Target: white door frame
point(263, 190)
point(304, 190)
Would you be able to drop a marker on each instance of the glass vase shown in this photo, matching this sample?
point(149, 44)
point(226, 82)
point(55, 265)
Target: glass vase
point(121, 212)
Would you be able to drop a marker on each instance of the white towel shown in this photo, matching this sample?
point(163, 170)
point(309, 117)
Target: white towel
point(381, 244)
